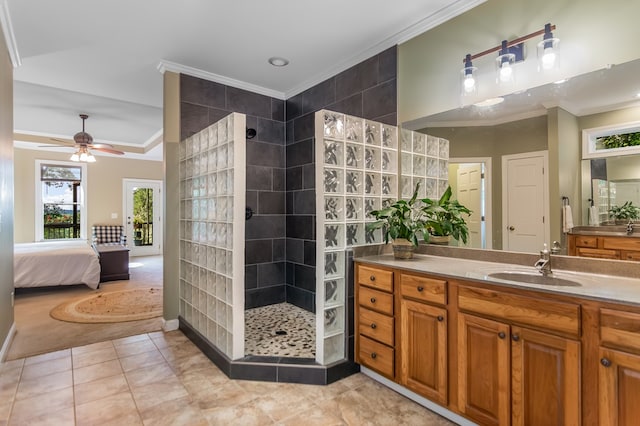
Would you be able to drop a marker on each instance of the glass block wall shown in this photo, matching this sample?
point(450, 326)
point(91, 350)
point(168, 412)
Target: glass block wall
point(357, 169)
point(212, 215)
point(424, 159)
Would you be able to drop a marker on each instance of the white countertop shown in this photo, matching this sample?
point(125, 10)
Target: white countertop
point(593, 286)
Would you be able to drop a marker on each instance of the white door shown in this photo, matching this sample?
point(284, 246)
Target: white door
point(470, 194)
point(142, 209)
point(524, 202)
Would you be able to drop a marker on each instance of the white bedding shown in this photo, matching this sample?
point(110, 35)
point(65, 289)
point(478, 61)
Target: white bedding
point(55, 263)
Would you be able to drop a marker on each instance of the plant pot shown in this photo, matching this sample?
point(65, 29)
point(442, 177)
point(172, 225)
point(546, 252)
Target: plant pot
point(403, 249)
point(441, 240)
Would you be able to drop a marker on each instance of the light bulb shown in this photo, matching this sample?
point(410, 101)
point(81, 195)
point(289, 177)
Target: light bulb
point(506, 72)
point(75, 157)
point(548, 58)
point(83, 156)
point(469, 83)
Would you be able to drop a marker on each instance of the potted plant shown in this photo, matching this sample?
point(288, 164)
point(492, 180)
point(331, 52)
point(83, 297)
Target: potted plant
point(625, 212)
point(444, 219)
point(402, 222)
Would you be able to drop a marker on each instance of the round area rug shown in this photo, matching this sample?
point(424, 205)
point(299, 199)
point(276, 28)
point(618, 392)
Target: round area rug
point(115, 306)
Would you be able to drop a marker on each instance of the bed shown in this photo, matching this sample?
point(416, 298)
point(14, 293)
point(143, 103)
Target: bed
point(55, 263)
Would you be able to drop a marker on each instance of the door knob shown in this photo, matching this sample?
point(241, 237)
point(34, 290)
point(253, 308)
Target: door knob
point(511, 228)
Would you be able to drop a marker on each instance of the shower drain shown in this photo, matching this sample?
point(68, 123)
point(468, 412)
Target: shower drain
point(280, 332)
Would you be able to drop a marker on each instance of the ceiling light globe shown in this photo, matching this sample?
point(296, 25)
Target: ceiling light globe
point(75, 157)
point(469, 83)
point(91, 158)
point(548, 58)
point(83, 156)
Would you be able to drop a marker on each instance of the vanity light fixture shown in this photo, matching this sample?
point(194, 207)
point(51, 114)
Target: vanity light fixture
point(548, 49)
point(510, 53)
point(508, 56)
point(469, 84)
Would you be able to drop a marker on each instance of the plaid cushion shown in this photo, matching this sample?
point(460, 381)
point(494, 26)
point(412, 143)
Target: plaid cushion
point(108, 234)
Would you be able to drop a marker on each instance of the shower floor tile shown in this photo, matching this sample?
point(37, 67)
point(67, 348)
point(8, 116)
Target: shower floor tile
point(282, 329)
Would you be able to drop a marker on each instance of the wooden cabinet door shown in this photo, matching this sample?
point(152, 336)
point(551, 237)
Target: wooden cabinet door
point(545, 381)
point(619, 388)
point(484, 370)
point(423, 337)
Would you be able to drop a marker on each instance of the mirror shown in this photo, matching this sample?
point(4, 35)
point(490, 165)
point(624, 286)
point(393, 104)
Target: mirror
point(526, 122)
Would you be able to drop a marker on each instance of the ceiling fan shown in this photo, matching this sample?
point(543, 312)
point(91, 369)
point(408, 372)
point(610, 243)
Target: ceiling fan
point(83, 143)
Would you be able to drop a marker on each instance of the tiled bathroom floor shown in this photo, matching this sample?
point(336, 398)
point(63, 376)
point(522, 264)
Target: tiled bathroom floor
point(282, 329)
point(163, 379)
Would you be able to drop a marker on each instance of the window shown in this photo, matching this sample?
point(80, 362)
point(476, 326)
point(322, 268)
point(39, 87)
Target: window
point(60, 201)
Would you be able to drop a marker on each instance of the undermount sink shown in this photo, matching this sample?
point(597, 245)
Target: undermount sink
point(533, 278)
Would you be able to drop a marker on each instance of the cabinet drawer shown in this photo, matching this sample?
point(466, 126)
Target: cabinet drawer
point(630, 255)
point(619, 329)
point(542, 313)
point(423, 288)
point(375, 325)
point(377, 278)
point(598, 253)
point(586, 241)
point(622, 243)
point(376, 300)
point(376, 356)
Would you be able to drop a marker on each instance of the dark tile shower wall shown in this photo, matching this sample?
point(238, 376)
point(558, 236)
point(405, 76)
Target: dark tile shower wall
point(202, 103)
point(367, 90)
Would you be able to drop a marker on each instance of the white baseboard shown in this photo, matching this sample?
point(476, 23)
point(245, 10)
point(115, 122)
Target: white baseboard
point(7, 342)
point(170, 325)
point(417, 398)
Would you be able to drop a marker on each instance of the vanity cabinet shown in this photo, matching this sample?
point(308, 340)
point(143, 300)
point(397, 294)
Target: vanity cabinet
point(604, 247)
point(619, 369)
point(514, 374)
point(423, 336)
point(499, 354)
point(375, 321)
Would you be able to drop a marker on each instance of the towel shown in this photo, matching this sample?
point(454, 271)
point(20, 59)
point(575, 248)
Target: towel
point(593, 216)
point(567, 219)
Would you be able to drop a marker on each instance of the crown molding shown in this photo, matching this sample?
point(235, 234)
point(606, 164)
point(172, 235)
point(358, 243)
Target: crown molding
point(456, 8)
point(9, 36)
point(165, 65)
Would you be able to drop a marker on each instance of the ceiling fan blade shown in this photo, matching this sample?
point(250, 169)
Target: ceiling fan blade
point(54, 146)
point(100, 145)
point(109, 150)
point(63, 141)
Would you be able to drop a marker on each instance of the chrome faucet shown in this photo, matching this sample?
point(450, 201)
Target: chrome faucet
point(630, 227)
point(544, 263)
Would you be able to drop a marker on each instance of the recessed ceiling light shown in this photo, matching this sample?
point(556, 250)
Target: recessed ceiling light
point(278, 62)
point(490, 102)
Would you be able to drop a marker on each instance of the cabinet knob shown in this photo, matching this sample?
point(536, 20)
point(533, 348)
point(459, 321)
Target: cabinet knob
point(440, 318)
point(420, 288)
point(502, 335)
point(373, 300)
point(511, 228)
point(605, 362)
point(373, 325)
point(374, 355)
point(515, 337)
point(372, 277)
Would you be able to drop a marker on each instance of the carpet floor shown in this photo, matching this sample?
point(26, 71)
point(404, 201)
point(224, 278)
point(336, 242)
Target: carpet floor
point(37, 332)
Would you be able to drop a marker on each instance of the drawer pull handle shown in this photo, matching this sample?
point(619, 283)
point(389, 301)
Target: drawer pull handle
point(440, 318)
point(605, 362)
point(373, 300)
point(515, 337)
point(373, 325)
point(502, 335)
point(374, 355)
point(372, 277)
point(420, 288)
